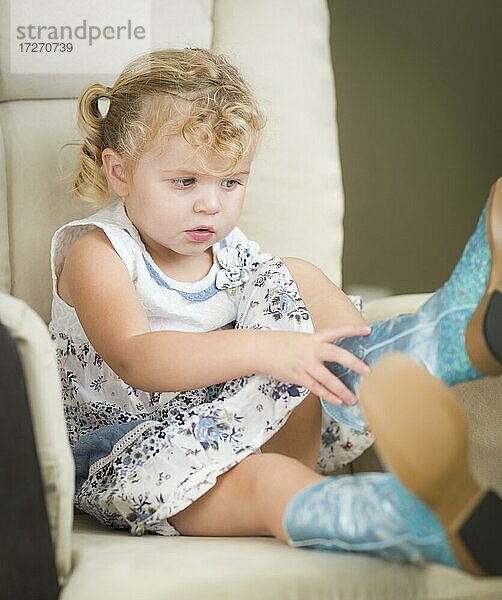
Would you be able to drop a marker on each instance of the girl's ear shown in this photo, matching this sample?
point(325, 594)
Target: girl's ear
point(115, 172)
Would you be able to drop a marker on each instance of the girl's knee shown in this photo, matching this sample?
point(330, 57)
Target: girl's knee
point(326, 302)
point(308, 277)
point(299, 267)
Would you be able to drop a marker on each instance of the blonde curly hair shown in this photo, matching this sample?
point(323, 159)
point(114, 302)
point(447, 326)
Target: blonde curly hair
point(192, 91)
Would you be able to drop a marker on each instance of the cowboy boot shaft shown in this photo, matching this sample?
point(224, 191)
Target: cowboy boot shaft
point(434, 336)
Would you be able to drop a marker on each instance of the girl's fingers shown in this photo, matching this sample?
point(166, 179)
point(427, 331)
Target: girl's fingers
point(321, 391)
point(333, 385)
point(333, 334)
point(344, 357)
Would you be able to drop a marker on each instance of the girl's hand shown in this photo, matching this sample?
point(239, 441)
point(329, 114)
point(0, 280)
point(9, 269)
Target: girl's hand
point(299, 358)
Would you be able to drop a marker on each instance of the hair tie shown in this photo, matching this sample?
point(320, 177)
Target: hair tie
point(104, 102)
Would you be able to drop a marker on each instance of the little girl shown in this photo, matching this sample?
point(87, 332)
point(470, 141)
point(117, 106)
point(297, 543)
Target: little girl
point(192, 364)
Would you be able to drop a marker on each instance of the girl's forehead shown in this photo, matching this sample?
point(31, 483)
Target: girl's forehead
point(174, 149)
point(175, 153)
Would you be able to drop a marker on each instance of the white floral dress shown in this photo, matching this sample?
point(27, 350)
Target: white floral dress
point(141, 457)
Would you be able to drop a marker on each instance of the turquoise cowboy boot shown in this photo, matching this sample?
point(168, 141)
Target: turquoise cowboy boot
point(430, 508)
point(370, 513)
point(422, 436)
point(452, 334)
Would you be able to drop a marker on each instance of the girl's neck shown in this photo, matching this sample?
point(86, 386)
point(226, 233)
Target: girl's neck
point(187, 269)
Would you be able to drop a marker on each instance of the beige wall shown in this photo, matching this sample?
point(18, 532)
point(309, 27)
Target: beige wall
point(419, 91)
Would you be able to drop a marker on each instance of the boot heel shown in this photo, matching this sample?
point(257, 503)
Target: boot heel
point(483, 348)
point(401, 396)
point(483, 337)
point(481, 534)
point(492, 326)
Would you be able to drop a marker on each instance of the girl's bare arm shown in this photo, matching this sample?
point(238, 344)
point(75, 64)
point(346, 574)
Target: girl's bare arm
point(96, 282)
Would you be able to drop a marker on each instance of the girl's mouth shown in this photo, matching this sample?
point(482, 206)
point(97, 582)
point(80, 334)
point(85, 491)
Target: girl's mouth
point(200, 235)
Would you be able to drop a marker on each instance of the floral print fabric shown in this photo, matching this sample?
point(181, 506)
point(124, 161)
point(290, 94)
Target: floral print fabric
point(237, 264)
point(175, 455)
point(141, 457)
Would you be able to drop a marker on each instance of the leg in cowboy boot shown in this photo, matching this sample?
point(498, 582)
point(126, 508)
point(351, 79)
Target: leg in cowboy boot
point(447, 334)
point(430, 458)
point(431, 508)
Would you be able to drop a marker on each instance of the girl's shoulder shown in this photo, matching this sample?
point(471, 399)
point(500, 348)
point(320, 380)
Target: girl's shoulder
point(111, 215)
point(111, 220)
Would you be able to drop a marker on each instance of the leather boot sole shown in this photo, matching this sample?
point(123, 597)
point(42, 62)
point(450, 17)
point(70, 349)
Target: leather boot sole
point(483, 334)
point(421, 435)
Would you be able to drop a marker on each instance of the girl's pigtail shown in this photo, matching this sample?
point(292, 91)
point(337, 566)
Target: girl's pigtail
point(90, 183)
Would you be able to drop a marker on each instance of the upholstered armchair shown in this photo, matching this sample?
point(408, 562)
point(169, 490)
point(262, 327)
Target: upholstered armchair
point(294, 207)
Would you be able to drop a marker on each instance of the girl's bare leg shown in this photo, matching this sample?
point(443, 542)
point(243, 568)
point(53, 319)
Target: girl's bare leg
point(248, 500)
point(328, 306)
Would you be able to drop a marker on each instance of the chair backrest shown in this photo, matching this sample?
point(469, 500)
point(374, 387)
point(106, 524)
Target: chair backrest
point(294, 204)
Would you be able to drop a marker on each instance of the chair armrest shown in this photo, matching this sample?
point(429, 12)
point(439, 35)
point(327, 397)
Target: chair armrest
point(41, 375)
point(26, 536)
point(385, 308)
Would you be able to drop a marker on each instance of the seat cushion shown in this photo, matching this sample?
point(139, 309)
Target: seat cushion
point(117, 566)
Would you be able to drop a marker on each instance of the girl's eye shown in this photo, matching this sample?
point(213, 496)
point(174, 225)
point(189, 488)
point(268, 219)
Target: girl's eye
point(231, 181)
point(181, 182)
point(187, 182)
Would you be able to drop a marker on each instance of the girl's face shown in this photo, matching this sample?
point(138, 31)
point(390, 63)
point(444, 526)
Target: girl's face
point(179, 209)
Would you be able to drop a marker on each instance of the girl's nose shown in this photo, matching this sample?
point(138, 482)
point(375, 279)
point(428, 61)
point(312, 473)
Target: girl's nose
point(208, 201)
